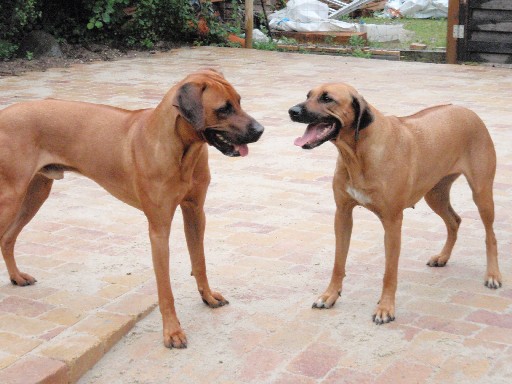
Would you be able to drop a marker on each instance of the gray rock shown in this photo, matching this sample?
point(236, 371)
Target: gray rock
point(40, 44)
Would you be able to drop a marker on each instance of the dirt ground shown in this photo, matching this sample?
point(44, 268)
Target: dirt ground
point(74, 54)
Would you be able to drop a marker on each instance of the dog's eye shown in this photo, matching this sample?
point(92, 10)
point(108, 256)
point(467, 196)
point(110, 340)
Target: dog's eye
point(324, 98)
point(226, 110)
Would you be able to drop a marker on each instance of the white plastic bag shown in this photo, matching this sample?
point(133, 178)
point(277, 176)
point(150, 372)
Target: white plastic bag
point(306, 16)
point(418, 9)
point(304, 11)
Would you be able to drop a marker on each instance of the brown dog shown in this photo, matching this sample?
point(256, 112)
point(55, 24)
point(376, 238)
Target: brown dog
point(389, 163)
point(151, 159)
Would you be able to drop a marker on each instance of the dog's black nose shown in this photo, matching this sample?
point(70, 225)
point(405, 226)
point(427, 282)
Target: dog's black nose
point(257, 128)
point(255, 131)
point(295, 111)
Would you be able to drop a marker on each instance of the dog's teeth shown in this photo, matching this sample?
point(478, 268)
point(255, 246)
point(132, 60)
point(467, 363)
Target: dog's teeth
point(222, 138)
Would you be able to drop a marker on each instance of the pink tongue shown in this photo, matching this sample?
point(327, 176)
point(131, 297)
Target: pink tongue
point(309, 135)
point(242, 149)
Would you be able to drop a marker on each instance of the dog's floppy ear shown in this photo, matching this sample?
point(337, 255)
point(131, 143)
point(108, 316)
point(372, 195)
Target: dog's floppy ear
point(189, 103)
point(363, 117)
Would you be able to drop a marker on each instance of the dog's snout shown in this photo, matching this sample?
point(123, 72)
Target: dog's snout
point(255, 130)
point(295, 111)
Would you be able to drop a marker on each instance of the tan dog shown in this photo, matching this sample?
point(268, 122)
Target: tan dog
point(151, 159)
point(389, 163)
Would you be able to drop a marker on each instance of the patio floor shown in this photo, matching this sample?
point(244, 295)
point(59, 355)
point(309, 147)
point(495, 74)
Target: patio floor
point(92, 315)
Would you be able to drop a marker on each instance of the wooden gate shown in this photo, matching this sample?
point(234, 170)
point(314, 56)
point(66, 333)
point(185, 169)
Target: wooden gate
point(480, 31)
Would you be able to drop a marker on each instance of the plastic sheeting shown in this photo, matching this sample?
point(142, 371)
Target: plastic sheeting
point(417, 9)
point(307, 16)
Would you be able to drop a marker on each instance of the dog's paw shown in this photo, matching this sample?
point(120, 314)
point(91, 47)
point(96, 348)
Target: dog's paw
point(383, 315)
point(23, 279)
point(437, 261)
point(214, 299)
point(176, 339)
point(493, 280)
point(326, 301)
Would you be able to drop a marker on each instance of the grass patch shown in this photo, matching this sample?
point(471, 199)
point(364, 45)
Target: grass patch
point(431, 32)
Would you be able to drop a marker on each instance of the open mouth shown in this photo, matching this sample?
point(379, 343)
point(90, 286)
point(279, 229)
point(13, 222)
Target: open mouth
point(223, 143)
point(318, 133)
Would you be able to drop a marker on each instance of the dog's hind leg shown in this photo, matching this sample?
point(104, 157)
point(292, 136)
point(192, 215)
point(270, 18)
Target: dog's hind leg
point(483, 198)
point(480, 170)
point(438, 198)
point(37, 192)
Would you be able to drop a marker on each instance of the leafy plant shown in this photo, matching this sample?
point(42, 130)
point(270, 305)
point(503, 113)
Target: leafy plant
point(357, 41)
point(16, 16)
point(83, 21)
point(104, 12)
point(7, 49)
point(358, 52)
point(154, 20)
point(265, 46)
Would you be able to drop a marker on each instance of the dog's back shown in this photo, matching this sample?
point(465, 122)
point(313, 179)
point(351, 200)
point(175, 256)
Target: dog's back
point(452, 133)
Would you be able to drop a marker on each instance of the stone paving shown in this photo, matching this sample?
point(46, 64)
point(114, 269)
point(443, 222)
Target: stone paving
point(269, 244)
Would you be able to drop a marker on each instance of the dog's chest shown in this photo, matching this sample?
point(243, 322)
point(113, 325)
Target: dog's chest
point(358, 195)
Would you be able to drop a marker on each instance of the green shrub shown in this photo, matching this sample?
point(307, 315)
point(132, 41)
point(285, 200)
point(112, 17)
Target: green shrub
point(7, 49)
point(106, 12)
point(156, 20)
point(79, 21)
point(172, 20)
point(16, 17)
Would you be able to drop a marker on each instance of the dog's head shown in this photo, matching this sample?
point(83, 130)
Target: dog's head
point(207, 101)
point(327, 110)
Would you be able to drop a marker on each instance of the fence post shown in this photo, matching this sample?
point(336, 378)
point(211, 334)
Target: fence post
point(249, 10)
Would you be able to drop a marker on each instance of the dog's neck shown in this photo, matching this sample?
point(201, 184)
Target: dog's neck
point(168, 127)
point(354, 151)
point(192, 143)
point(168, 136)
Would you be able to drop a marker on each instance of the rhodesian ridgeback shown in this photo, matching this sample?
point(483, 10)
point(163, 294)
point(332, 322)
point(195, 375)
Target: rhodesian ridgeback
point(387, 164)
point(152, 159)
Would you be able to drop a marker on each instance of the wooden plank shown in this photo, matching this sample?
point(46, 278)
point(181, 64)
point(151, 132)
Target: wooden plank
point(495, 16)
point(489, 58)
point(492, 37)
point(491, 27)
point(491, 4)
point(489, 47)
point(319, 37)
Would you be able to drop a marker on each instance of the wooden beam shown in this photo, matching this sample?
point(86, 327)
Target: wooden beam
point(451, 42)
point(249, 11)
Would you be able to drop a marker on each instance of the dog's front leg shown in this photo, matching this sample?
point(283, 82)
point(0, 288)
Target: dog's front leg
point(195, 222)
point(385, 311)
point(343, 231)
point(159, 231)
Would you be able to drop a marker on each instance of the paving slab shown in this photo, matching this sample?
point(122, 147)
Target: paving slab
point(269, 245)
